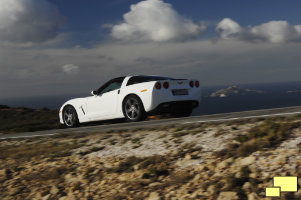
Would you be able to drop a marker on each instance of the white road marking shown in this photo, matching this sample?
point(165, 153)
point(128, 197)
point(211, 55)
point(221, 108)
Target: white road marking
point(234, 118)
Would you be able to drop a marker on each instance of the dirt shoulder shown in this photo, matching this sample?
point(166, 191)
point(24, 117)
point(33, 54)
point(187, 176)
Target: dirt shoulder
point(229, 160)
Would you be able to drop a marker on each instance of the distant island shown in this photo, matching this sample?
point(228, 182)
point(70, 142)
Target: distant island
point(234, 90)
point(294, 91)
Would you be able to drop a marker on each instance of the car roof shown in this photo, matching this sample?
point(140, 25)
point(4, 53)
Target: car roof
point(151, 76)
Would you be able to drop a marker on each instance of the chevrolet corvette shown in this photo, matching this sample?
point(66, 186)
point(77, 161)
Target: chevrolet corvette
point(133, 98)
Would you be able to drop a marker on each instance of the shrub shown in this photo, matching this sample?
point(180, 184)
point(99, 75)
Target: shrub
point(241, 138)
point(266, 135)
point(126, 165)
point(158, 171)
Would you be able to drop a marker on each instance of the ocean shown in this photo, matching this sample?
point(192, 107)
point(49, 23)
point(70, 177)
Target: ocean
point(275, 95)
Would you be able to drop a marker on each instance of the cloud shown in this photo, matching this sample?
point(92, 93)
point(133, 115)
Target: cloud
point(155, 20)
point(272, 32)
point(70, 69)
point(228, 28)
point(23, 21)
point(210, 62)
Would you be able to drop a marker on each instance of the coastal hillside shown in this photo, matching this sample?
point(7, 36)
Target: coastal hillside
point(221, 160)
point(14, 120)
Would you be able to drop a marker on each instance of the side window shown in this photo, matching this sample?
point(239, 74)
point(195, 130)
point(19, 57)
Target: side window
point(136, 79)
point(141, 79)
point(111, 85)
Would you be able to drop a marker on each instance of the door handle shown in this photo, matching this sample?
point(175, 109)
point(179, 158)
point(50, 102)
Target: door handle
point(118, 91)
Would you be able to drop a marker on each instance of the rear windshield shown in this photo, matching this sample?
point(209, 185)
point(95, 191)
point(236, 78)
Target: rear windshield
point(141, 79)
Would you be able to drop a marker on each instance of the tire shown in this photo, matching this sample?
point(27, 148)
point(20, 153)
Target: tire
point(181, 111)
point(133, 109)
point(70, 117)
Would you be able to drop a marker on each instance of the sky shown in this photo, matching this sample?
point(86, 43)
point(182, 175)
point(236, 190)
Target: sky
point(59, 47)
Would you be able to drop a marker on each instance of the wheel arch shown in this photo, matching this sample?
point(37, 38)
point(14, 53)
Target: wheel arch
point(76, 113)
point(131, 94)
point(64, 107)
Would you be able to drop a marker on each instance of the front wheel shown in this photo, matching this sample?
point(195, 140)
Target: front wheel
point(70, 117)
point(133, 109)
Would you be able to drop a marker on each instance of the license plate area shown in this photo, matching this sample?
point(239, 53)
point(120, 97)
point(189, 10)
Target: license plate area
point(180, 92)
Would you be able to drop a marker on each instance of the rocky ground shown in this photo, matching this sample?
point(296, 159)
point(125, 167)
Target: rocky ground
point(230, 160)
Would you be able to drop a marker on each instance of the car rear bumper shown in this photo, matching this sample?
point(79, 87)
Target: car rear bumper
point(166, 107)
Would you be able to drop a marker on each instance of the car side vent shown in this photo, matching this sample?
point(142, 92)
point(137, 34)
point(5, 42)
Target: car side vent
point(83, 110)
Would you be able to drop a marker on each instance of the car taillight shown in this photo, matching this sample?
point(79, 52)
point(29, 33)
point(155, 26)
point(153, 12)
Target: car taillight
point(197, 84)
point(166, 85)
point(191, 83)
point(158, 85)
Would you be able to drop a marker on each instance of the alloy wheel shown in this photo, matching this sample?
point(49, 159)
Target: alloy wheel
point(132, 108)
point(69, 116)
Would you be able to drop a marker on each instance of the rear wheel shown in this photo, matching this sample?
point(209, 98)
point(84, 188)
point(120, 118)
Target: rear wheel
point(70, 117)
point(133, 109)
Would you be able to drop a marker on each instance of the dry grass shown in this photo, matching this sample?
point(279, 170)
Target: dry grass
point(29, 151)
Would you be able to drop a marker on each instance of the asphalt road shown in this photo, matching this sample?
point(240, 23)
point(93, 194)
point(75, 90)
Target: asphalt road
point(156, 123)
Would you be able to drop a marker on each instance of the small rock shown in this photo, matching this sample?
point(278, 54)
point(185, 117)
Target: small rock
point(154, 196)
point(2, 174)
point(201, 167)
point(68, 198)
point(136, 167)
point(247, 187)
point(247, 161)
point(46, 197)
point(188, 156)
point(54, 190)
point(211, 189)
point(211, 165)
point(196, 194)
point(227, 196)
point(253, 196)
point(253, 175)
point(123, 177)
point(224, 163)
point(155, 184)
point(197, 178)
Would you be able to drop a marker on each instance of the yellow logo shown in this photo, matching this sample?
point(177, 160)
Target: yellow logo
point(282, 184)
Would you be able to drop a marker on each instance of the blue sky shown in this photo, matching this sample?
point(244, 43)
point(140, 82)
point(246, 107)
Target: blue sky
point(90, 14)
point(84, 18)
point(54, 47)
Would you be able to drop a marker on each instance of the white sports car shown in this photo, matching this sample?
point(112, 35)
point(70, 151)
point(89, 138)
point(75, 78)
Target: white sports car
point(133, 97)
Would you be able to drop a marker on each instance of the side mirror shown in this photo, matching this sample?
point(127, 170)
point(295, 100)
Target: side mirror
point(94, 93)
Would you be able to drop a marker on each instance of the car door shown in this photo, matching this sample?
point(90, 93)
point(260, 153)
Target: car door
point(104, 105)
